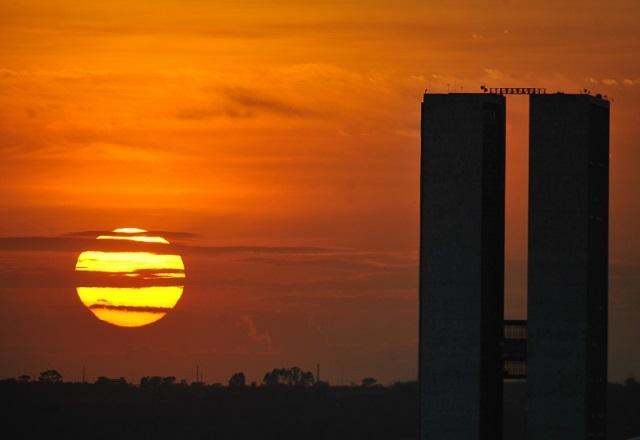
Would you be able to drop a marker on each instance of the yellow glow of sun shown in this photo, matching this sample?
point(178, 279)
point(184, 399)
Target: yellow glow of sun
point(129, 231)
point(128, 262)
point(131, 306)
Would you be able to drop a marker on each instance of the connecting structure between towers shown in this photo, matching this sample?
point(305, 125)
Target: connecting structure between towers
point(466, 346)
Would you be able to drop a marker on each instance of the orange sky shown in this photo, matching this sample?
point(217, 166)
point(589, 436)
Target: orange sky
point(280, 124)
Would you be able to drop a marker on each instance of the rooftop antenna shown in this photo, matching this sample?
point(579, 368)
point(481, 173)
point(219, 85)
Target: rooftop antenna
point(317, 372)
point(448, 91)
point(83, 371)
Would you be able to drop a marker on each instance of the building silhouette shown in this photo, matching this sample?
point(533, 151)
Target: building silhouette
point(568, 255)
point(466, 347)
point(461, 265)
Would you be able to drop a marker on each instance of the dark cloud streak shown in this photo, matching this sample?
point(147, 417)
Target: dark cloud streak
point(79, 244)
point(242, 102)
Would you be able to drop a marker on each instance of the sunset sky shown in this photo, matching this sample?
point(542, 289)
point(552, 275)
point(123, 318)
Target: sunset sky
point(276, 145)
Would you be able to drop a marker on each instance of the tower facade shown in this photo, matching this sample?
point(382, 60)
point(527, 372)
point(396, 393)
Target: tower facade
point(567, 275)
point(461, 266)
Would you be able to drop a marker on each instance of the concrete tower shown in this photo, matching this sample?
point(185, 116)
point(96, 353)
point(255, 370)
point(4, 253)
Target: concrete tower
point(461, 266)
point(568, 239)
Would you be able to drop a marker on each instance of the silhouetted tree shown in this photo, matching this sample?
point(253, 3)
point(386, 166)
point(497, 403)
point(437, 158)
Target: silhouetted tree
point(275, 377)
point(50, 376)
point(307, 379)
point(293, 376)
point(168, 381)
point(151, 382)
point(24, 378)
point(237, 380)
point(369, 382)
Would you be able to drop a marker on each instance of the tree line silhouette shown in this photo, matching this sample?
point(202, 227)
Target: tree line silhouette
point(293, 376)
point(289, 403)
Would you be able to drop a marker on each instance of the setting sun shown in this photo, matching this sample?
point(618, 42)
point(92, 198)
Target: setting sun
point(130, 306)
point(367, 191)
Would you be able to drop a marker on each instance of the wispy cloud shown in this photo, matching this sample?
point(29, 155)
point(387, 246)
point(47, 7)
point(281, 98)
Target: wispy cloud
point(251, 100)
point(241, 102)
point(355, 262)
point(613, 81)
point(248, 324)
point(179, 235)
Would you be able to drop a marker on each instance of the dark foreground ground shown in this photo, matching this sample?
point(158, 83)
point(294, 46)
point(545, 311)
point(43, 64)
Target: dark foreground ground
point(119, 410)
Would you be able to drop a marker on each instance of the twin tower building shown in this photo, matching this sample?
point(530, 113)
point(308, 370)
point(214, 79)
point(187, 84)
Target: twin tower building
point(462, 338)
